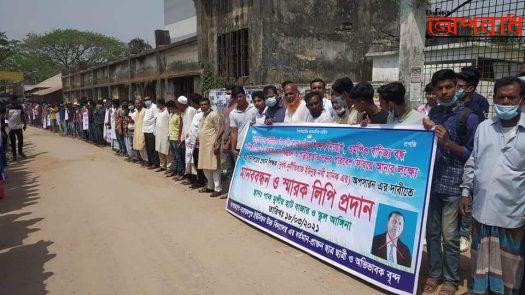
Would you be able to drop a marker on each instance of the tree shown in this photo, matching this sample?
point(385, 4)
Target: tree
point(138, 45)
point(69, 49)
point(8, 52)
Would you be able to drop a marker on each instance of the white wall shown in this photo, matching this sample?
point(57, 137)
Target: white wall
point(385, 68)
point(182, 29)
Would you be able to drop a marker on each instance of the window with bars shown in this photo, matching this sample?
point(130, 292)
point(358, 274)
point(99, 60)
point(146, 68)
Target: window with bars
point(232, 54)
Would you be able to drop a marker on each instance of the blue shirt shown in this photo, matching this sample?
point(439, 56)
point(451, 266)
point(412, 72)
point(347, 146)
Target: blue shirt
point(475, 108)
point(448, 167)
point(495, 174)
point(277, 112)
point(482, 103)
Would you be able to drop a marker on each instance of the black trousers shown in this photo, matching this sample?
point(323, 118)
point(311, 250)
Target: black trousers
point(201, 178)
point(153, 156)
point(19, 134)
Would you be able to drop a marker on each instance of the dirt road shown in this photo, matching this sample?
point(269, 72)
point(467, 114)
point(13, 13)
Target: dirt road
point(79, 220)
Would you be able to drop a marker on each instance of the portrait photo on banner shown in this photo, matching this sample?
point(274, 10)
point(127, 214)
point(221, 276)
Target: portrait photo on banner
point(394, 236)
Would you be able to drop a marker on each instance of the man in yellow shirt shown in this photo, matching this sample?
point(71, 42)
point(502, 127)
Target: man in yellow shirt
point(175, 131)
point(53, 117)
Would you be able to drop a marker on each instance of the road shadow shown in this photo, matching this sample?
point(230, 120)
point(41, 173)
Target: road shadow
point(22, 265)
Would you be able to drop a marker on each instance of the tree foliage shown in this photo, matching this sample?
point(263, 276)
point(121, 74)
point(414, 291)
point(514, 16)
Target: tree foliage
point(72, 49)
point(42, 56)
point(8, 52)
point(138, 45)
point(209, 80)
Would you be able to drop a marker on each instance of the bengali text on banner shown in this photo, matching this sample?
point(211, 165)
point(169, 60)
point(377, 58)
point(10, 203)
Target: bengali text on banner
point(353, 197)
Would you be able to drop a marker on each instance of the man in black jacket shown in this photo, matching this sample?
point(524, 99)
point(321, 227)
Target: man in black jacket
point(389, 246)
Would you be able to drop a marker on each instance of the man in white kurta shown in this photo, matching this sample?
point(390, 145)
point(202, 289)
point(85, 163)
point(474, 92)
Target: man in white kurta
point(113, 113)
point(162, 134)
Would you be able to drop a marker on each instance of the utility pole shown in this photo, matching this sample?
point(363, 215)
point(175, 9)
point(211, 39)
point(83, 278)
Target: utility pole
point(411, 45)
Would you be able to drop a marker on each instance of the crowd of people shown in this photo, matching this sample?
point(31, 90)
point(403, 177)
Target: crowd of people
point(477, 197)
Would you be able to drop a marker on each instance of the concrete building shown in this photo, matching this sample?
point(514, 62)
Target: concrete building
point(180, 19)
point(251, 42)
point(268, 41)
point(166, 71)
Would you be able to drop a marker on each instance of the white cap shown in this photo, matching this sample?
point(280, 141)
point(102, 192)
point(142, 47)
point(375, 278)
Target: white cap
point(182, 99)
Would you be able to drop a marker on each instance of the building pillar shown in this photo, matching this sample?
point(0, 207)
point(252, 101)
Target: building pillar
point(411, 46)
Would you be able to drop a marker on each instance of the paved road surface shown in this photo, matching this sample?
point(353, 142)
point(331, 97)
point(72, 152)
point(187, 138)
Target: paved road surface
point(79, 220)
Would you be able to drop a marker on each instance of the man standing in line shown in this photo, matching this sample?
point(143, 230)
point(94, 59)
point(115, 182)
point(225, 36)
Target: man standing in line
point(363, 96)
point(209, 148)
point(296, 110)
point(478, 99)
point(454, 147)
point(229, 159)
point(187, 109)
point(494, 178)
point(341, 94)
point(148, 128)
point(91, 118)
point(431, 100)
point(139, 142)
point(191, 140)
point(276, 110)
point(393, 95)
point(53, 110)
point(100, 114)
point(258, 100)
point(318, 85)
point(317, 113)
point(16, 121)
point(129, 127)
point(468, 80)
point(162, 136)
point(175, 132)
point(240, 119)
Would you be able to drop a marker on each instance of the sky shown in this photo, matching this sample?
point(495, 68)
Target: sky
point(122, 19)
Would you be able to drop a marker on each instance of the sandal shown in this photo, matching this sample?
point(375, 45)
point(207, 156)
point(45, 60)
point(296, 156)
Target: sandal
point(206, 190)
point(430, 286)
point(448, 289)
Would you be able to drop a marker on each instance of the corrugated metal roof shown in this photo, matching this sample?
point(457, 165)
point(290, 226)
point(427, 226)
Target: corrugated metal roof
point(47, 86)
point(47, 90)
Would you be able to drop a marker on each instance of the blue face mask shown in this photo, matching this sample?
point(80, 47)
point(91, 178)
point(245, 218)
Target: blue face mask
point(505, 112)
point(340, 111)
point(147, 103)
point(271, 101)
point(131, 108)
point(340, 101)
point(459, 94)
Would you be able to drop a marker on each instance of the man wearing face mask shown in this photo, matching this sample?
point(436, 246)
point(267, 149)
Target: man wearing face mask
point(468, 80)
point(494, 182)
point(148, 127)
point(393, 95)
point(275, 106)
point(455, 127)
point(318, 85)
point(343, 105)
